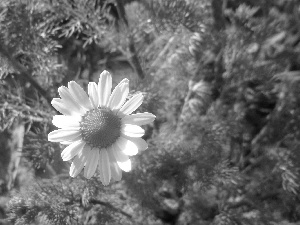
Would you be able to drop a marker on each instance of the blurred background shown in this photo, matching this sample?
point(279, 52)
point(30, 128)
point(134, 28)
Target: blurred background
point(222, 78)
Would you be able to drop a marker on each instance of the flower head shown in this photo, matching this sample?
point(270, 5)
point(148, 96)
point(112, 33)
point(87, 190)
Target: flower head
point(98, 128)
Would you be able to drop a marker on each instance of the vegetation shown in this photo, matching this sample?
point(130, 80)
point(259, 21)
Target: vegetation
point(222, 78)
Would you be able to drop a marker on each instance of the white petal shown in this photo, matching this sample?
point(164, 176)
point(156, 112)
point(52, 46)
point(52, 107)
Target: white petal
point(71, 140)
point(104, 164)
point(139, 142)
point(118, 154)
point(111, 155)
point(79, 95)
point(64, 107)
point(139, 118)
point(68, 99)
point(72, 150)
point(67, 142)
point(132, 130)
point(66, 134)
point(93, 93)
point(132, 104)
point(91, 163)
point(125, 166)
point(127, 146)
point(116, 172)
point(119, 95)
point(62, 121)
point(104, 88)
point(79, 161)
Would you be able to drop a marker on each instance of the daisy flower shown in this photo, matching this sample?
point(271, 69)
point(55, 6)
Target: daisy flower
point(98, 128)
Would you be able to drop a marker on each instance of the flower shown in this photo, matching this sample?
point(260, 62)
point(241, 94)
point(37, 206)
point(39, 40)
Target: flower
point(98, 128)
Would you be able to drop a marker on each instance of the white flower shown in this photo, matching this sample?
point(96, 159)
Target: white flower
point(98, 127)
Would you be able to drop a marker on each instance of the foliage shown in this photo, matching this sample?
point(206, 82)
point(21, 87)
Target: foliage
point(222, 80)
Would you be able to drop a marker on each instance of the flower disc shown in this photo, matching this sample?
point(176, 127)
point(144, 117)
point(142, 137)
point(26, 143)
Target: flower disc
point(100, 128)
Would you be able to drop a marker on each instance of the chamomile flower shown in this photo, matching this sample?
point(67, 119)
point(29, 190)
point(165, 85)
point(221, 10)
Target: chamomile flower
point(98, 128)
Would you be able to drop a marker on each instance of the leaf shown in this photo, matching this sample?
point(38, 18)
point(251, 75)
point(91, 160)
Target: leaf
point(289, 76)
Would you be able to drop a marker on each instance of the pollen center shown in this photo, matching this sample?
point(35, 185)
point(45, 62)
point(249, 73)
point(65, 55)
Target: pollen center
point(100, 128)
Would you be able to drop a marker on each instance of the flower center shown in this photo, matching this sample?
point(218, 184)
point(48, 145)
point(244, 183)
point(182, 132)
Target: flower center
point(100, 128)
